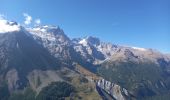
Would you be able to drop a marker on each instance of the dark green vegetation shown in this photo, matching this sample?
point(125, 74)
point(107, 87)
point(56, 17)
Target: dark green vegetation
point(4, 93)
point(56, 91)
point(27, 94)
point(158, 97)
point(141, 79)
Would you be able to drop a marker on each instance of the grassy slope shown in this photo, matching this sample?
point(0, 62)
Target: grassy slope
point(142, 79)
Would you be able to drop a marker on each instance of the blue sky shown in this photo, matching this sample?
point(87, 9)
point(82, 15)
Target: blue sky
point(140, 23)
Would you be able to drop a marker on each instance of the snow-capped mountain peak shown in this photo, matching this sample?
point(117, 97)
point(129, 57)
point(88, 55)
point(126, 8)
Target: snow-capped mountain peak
point(50, 33)
point(53, 39)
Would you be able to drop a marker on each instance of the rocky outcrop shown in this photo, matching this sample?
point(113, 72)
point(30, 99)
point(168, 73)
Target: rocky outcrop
point(12, 80)
point(113, 89)
point(39, 79)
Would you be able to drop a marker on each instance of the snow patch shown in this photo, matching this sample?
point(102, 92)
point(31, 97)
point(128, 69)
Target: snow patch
point(141, 49)
point(39, 29)
point(42, 33)
point(83, 42)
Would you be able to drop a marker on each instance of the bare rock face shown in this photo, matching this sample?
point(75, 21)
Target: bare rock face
point(116, 92)
point(53, 39)
point(39, 79)
point(113, 89)
point(12, 78)
point(93, 50)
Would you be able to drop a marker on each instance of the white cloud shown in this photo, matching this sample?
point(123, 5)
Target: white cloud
point(28, 19)
point(37, 21)
point(6, 26)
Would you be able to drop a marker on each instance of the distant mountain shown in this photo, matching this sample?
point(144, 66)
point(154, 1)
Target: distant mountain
point(101, 51)
point(93, 50)
point(33, 58)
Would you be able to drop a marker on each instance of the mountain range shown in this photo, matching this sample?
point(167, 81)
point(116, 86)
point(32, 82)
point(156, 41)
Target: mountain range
point(33, 59)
